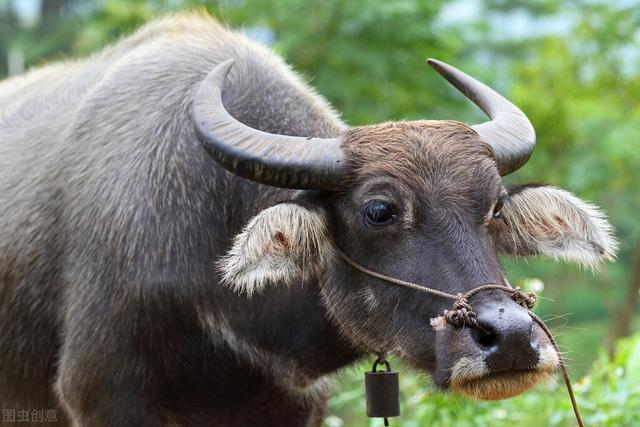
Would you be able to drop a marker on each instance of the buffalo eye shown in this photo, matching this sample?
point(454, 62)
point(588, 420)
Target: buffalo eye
point(378, 212)
point(497, 209)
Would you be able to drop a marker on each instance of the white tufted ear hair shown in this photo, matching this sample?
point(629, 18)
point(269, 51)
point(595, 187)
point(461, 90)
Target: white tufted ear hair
point(544, 220)
point(279, 245)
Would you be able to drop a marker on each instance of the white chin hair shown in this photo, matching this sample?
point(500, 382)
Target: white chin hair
point(471, 377)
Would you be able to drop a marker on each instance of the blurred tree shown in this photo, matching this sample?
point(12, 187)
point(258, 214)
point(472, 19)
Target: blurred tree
point(38, 35)
point(624, 316)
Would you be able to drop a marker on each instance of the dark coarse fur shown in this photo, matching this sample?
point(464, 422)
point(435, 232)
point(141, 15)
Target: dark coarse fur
point(111, 217)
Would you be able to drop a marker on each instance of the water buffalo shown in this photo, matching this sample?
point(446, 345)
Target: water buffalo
point(170, 213)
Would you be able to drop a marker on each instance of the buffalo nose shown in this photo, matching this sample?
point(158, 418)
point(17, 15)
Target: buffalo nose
point(505, 336)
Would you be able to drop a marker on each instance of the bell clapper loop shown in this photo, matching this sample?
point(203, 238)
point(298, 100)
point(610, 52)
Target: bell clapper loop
point(378, 361)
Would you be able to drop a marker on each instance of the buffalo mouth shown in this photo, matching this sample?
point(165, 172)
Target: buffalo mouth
point(473, 379)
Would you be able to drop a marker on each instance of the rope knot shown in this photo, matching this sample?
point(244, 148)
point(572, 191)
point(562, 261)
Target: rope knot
point(461, 313)
point(526, 300)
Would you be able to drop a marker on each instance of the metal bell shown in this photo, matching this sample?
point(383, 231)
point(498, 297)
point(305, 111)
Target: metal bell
point(382, 391)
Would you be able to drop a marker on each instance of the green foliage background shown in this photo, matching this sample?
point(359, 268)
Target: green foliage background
point(579, 83)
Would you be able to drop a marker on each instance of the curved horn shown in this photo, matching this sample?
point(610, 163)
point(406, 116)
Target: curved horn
point(509, 131)
point(278, 160)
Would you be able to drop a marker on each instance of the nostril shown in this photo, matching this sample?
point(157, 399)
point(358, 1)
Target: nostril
point(484, 338)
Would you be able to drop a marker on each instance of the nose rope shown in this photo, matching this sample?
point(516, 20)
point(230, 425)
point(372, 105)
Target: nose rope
point(462, 313)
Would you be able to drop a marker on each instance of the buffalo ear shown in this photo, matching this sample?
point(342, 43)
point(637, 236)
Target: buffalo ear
point(279, 245)
point(544, 220)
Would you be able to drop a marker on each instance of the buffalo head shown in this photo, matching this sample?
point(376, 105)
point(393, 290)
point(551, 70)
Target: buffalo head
point(422, 201)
